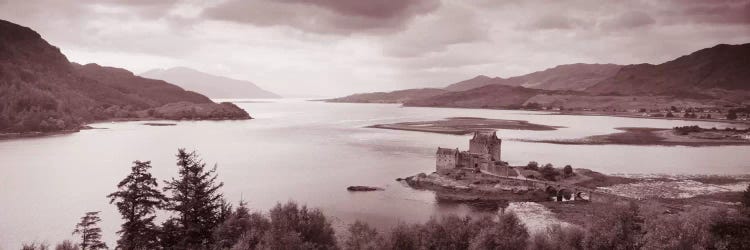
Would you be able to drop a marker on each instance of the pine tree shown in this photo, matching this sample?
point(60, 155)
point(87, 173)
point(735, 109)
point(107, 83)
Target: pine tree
point(91, 234)
point(137, 198)
point(196, 200)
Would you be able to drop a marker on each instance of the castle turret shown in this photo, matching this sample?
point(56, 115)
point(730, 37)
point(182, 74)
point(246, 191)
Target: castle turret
point(486, 142)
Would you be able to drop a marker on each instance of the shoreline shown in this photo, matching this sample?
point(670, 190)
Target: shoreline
point(87, 126)
point(638, 136)
point(594, 113)
point(581, 113)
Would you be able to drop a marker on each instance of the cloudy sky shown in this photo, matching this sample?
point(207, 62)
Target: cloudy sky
point(337, 47)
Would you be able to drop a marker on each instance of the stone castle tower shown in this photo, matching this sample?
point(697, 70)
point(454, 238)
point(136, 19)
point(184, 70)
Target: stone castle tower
point(486, 142)
point(484, 151)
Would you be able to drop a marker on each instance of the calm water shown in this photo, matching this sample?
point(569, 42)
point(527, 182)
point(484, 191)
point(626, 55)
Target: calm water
point(308, 152)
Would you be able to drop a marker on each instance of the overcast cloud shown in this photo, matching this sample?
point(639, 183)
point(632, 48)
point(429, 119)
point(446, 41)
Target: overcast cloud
point(338, 47)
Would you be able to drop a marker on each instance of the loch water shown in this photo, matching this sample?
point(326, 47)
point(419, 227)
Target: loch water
point(308, 152)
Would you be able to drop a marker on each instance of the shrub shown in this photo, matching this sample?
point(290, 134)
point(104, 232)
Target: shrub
point(617, 229)
point(66, 245)
point(558, 237)
point(567, 171)
point(548, 172)
point(363, 237)
point(293, 227)
point(508, 233)
point(532, 166)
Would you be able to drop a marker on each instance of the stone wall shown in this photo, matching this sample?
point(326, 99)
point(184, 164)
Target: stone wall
point(445, 162)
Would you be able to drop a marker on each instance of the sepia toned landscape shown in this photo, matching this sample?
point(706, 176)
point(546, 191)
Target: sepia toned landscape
point(362, 125)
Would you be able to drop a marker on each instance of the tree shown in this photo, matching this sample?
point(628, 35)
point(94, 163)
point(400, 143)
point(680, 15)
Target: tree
point(549, 172)
point(669, 114)
point(746, 197)
point(363, 237)
point(34, 246)
point(196, 200)
point(294, 227)
point(66, 245)
point(567, 171)
point(241, 226)
point(508, 233)
point(450, 232)
point(137, 198)
point(91, 234)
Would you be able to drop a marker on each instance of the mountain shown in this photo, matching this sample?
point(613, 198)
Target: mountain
point(476, 82)
point(399, 96)
point(720, 67)
point(210, 85)
point(41, 91)
point(490, 96)
point(576, 77)
point(711, 77)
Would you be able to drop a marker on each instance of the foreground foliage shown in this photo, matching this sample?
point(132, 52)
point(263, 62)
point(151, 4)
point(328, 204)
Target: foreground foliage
point(202, 220)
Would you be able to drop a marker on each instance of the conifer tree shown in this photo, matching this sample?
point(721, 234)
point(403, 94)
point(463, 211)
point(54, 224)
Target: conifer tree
point(196, 201)
point(91, 234)
point(137, 199)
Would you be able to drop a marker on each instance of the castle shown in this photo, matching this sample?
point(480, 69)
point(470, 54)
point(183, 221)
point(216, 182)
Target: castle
point(484, 151)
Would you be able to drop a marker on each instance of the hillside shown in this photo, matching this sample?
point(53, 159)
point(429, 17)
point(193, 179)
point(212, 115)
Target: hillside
point(720, 67)
point(490, 96)
point(41, 91)
point(576, 77)
point(399, 96)
point(712, 77)
point(476, 82)
point(210, 85)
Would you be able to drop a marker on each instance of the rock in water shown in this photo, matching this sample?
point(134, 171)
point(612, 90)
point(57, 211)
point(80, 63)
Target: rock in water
point(363, 188)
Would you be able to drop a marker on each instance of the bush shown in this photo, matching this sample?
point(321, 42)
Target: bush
point(66, 245)
point(241, 228)
point(532, 166)
point(686, 230)
point(363, 237)
point(405, 237)
point(548, 172)
point(567, 171)
point(617, 229)
point(294, 227)
point(508, 233)
point(558, 237)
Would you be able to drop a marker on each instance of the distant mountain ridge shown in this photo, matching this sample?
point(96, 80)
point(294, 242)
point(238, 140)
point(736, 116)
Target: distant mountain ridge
point(210, 85)
point(41, 91)
point(719, 75)
point(720, 67)
point(576, 77)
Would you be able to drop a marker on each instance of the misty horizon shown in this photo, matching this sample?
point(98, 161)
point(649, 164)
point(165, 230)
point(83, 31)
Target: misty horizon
point(338, 48)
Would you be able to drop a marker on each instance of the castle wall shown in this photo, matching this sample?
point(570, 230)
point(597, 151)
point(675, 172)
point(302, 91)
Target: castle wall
point(471, 160)
point(445, 162)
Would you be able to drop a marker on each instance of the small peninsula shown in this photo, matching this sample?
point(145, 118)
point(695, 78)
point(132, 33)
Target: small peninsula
point(463, 125)
point(679, 136)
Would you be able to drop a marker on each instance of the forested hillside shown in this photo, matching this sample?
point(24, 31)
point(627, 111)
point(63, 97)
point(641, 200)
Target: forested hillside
point(41, 91)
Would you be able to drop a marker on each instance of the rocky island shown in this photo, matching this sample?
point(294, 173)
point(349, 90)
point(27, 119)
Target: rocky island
point(572, 195)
